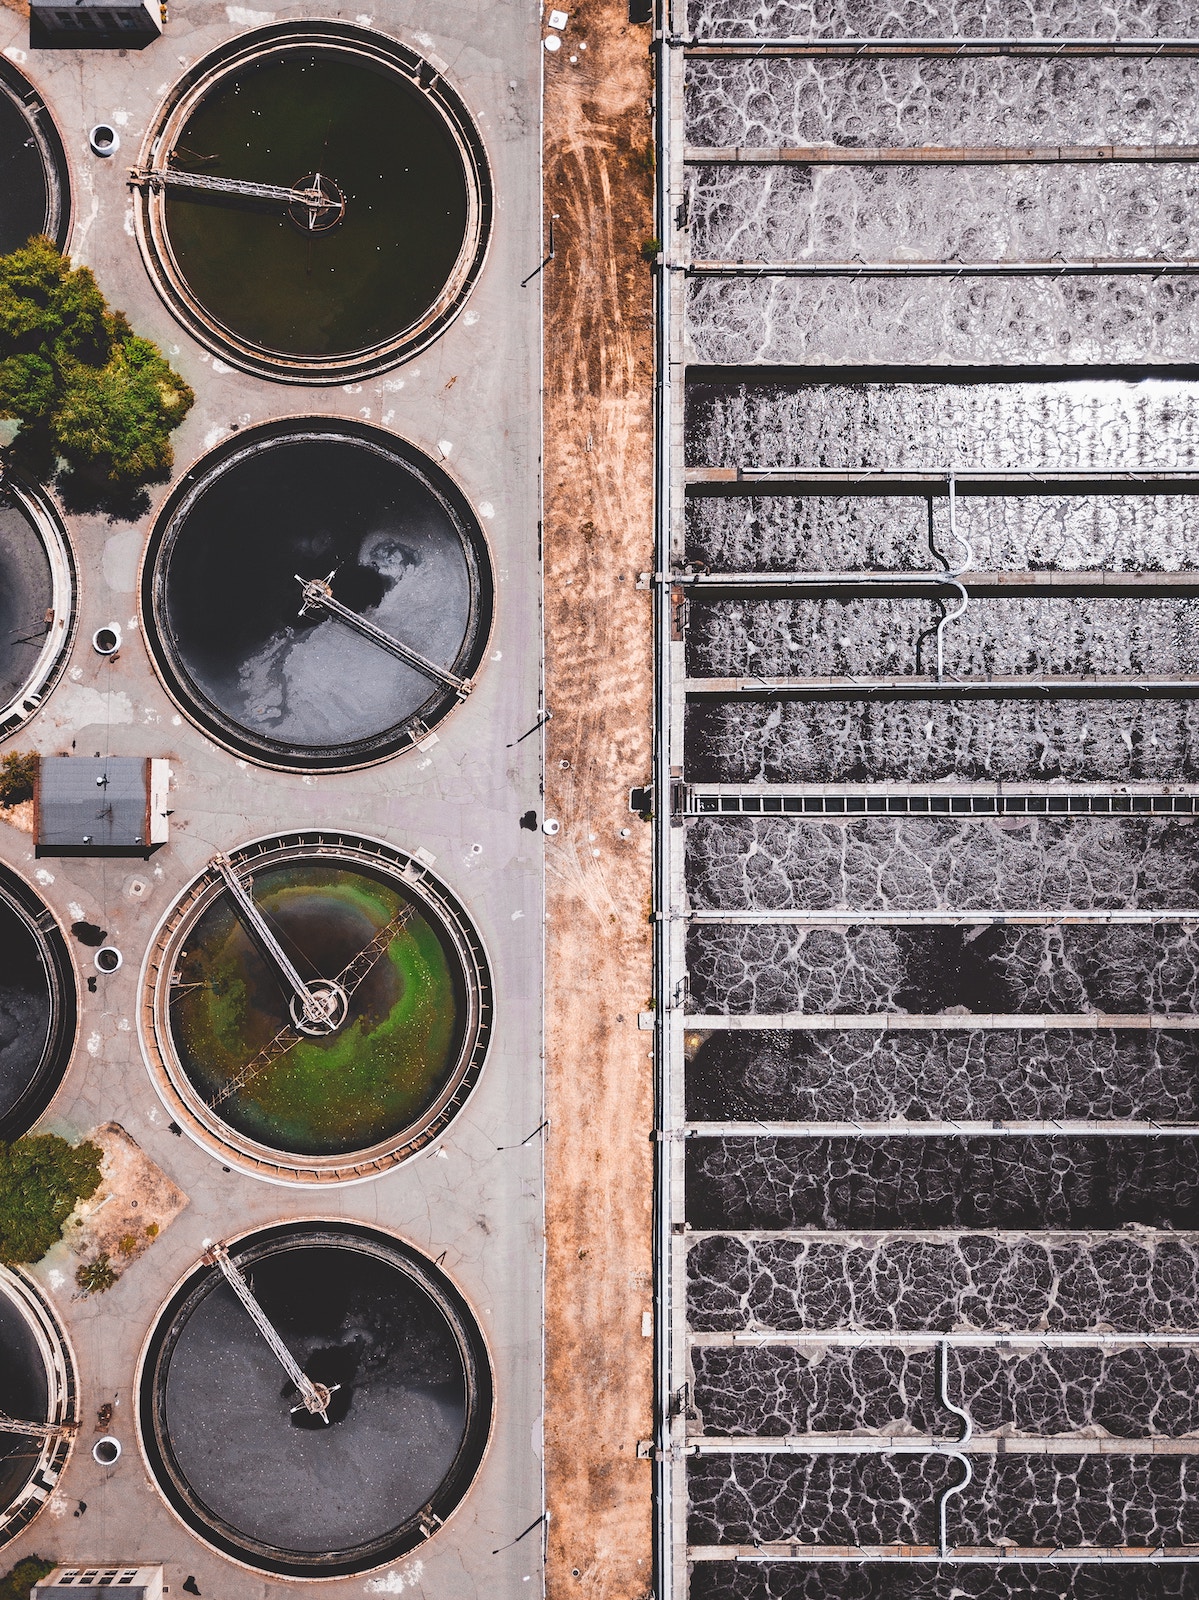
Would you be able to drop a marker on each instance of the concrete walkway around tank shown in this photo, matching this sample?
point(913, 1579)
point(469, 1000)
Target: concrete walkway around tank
point(471, 401)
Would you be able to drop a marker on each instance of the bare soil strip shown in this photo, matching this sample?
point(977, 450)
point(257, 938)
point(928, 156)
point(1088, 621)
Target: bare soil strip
point(599, 678)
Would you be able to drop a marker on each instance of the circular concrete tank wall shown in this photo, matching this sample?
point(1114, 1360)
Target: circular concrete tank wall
point(37, 1006)
point(37, 601)
point(382, 644)
point(37, 1385)
point(315, 202)
point(374, 1077)
point(33, 166)
point(409, 1413)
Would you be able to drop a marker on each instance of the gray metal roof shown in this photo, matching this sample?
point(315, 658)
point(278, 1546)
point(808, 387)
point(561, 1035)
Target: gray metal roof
point(92, 803)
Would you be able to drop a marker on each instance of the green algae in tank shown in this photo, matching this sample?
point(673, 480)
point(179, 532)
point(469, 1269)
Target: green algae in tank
point(346, 1091)
point(391, 154)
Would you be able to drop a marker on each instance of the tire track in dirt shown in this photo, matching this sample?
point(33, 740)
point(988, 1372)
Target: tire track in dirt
point(598, 536)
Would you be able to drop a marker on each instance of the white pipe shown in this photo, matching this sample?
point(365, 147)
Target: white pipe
point(942, 1509)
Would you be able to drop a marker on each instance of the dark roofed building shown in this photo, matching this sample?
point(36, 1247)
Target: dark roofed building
point(101, 805)
point(85, 22)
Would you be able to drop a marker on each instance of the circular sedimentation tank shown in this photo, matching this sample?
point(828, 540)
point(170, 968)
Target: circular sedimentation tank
point(244, 1464)
point(37, 601)
point(315, 202)
point(37, 1006)
point(383, 1058)
point(37, 1384)
point(382, 644)
point(33, 166)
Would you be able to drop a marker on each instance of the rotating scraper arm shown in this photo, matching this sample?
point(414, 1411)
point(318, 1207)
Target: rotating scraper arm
point(318, 596)
point(314, 1396)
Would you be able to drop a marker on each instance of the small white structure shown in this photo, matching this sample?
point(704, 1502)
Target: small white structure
point(139, 1583)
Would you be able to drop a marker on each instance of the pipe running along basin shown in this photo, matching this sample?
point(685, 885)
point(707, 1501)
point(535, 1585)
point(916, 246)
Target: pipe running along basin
point(316, 1007)
point(37, 1401)
point(314, 202)
point(401, 1368)
point(37, 1006)
point(317, 594)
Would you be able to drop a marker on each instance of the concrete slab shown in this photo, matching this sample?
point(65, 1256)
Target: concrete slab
point(471, 401)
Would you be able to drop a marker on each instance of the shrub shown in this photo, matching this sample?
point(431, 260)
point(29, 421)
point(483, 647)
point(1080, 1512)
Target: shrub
point(97, 1275)
point(17, 773)
point(76, 377)
point(41, 1179)
point(19, 1580)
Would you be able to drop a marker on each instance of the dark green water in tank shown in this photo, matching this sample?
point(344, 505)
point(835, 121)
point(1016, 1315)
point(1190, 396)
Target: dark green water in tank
point(387, 148)
point(345, 1091)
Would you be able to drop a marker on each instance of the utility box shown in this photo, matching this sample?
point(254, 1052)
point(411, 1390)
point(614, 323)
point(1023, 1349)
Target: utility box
point(95, 22)
point(140, 1583)
point(106, 805)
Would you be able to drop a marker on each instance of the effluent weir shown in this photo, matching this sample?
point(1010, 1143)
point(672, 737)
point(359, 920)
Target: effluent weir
point(315, 1399)
point(925, 804)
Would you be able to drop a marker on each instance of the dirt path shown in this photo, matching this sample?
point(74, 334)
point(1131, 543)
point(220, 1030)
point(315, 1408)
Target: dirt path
point(598, 537)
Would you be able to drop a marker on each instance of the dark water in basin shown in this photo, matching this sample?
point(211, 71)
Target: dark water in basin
point(866, 1580)
point(24, 1394)
point(24, 197)
point(229, 592)
point(1127, 1282)
point(389, 151)
point(26, 594)
point(760, 863)
point(310, 1490)
point(1022, 1500)
point(944, 1182)
point(920, 1076)
point(1031, 971)
point(778, 1390)
point(24, 1009)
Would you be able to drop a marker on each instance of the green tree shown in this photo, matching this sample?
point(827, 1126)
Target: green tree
point(41, 1179)
point(81, 384)
point(19, 1580)
point(18, 770)
point(96, 1276)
